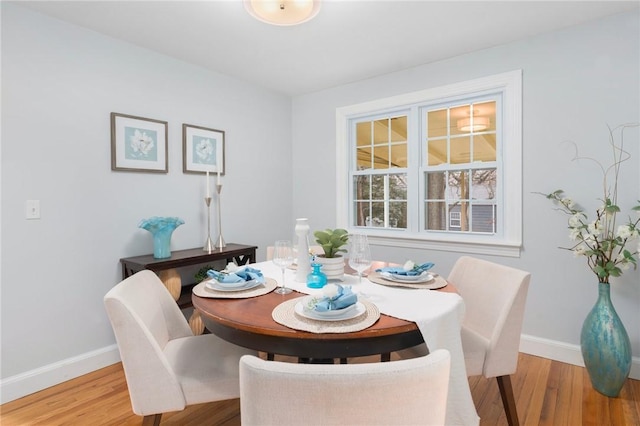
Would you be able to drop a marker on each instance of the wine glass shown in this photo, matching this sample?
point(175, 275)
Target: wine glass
point(359, 254)
point(283, 258)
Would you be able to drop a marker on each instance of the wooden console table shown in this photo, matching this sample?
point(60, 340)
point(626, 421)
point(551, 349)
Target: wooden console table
point(167, 270)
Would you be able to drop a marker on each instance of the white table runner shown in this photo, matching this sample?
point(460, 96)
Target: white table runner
point(438, 316)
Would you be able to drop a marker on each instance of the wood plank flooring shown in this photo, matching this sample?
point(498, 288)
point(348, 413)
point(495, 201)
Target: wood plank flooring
point(547, 393)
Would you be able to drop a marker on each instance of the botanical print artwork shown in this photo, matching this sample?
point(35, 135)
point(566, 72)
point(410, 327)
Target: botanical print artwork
point(138, 144)
point(204, 150)
point(142, 144)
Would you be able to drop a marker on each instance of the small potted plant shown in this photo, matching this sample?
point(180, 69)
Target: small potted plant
point(333, 242)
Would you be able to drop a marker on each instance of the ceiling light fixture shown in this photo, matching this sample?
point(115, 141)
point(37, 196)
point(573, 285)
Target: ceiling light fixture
point(283, 12)
point(479, 124)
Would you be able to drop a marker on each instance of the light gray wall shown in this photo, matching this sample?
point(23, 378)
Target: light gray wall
point(60, 82)
point(59, 85)
point(575, 82)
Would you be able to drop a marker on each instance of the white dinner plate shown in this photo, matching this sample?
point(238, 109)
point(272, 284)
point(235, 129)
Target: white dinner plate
point(308, 302)
point(218, 286)
point(358, 310)
point(415, 279)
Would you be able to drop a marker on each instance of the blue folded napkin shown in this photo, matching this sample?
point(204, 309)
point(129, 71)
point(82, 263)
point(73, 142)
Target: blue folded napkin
point(399, 270)
point(344, 298)
point(241, 275)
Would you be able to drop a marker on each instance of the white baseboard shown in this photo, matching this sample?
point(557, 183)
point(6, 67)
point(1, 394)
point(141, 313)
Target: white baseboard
point(23, 384)
point(564, 352)
point(20, 385)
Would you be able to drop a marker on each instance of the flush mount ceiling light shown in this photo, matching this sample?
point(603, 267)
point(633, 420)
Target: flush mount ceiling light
point(479, 124)
point(283, 12)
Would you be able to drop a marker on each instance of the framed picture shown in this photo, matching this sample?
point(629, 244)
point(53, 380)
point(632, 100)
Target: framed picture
point(138, 144)
point(202, 149)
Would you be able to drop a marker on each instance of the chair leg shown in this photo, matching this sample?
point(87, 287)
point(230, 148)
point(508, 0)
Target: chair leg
point(508, 399)
point(151, 420)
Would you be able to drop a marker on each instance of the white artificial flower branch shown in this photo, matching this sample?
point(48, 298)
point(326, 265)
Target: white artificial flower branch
point(602, 242)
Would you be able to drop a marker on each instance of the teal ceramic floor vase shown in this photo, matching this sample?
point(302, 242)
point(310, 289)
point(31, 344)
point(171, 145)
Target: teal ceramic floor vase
point(605, 344)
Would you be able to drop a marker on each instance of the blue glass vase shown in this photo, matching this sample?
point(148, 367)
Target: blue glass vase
point(317, 278)
point(161, 228)
point(605, 345)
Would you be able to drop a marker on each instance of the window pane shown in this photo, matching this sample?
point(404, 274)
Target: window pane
point(458, 185)
point(399, 155)
point(363, 143)
point(484, 217)
point(484, 147)
point(381, 131)
point(436, 216)
point(399, 129)
point(363, 133)
point(437, 123)
point(485, 115)
point(377, 187)
point(460, 150)
point(484, 184)
point(381, 157)
point(398, 215)
point(363, 158)
point(461, 210)
point(437, 152)
point(377, 215)
point(361, 187)
point(361, 213)
point(459, 116)
point(398, 187)
point(435, 185)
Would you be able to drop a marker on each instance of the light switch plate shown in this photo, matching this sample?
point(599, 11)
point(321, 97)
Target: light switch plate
point(33, 209)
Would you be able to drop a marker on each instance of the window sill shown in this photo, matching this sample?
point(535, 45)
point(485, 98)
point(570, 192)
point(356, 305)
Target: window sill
point(461, 245)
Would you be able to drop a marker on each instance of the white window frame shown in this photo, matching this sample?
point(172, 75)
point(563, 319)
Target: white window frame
point(507, 243)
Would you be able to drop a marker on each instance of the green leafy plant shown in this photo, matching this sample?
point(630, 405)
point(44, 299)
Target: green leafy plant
point(332, 241)
point(201, 275)
point(602, 241)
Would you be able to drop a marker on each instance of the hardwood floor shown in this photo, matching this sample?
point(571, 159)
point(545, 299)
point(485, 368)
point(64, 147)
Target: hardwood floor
point(547, 393)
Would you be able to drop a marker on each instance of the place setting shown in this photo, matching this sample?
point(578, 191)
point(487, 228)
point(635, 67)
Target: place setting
point(409, 275)
point(235, 282)
point(334, 309)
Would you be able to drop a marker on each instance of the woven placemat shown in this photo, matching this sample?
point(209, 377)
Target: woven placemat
point(203, 291)
point(436, 283)
point(285, 314)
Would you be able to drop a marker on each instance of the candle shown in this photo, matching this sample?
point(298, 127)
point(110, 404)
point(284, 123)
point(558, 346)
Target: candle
point(208, 193)
point(218, 176)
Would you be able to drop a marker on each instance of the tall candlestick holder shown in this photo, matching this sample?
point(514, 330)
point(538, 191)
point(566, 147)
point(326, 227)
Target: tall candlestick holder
point(220, 243)
point(208, 245)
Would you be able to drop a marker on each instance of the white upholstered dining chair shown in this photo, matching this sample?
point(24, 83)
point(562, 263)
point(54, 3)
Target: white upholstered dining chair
point(405, 392)
point(165, 365)
point(494, 297)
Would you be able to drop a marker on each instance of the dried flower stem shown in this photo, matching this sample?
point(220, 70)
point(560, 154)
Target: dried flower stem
point(603, 244)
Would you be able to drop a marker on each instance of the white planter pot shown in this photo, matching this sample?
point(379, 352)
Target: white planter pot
point(332, 267)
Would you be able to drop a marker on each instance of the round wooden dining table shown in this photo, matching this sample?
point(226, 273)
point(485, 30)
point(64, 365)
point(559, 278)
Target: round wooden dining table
point(248, 322)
